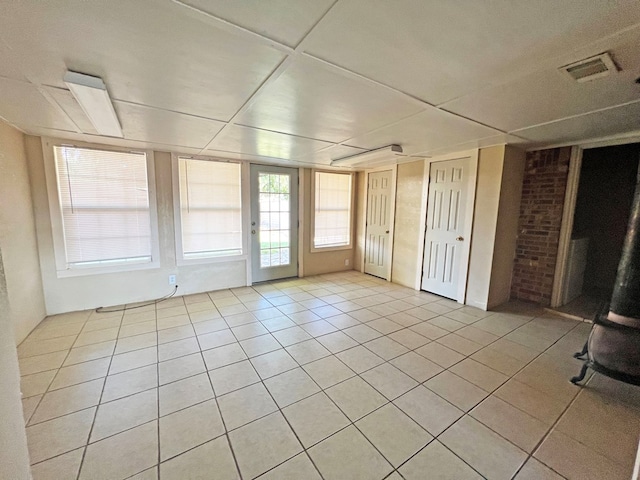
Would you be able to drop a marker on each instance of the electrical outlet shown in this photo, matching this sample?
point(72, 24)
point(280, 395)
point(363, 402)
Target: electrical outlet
point(346, 262)
point(172, 279)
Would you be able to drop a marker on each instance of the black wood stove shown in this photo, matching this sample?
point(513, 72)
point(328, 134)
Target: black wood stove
point(613, 347)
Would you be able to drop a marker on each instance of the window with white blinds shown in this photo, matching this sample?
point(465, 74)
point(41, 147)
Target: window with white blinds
point(332, 211)
point(104, 203)
point(210, 208)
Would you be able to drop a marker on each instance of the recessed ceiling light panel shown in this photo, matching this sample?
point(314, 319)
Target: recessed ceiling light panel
point(91, 93)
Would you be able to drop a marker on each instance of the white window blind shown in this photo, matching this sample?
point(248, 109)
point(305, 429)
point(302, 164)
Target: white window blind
point(104, 201)
point(210, 208)
point(332, 210)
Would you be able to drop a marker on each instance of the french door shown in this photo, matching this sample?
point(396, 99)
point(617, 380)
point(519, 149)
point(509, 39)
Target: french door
point(274, 222)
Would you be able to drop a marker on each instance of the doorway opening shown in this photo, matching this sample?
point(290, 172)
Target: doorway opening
point(607, 182)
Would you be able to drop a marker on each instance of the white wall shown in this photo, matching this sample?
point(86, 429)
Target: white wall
point(91, 291)
point(18, 236)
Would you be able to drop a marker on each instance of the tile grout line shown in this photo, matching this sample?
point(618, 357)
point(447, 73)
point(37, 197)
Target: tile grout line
point(529, 455)
point(95, 415)
point(215, 398)
point(357, 344)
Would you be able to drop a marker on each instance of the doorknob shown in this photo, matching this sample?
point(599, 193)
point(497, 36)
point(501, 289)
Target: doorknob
point(253, 231)
point(253, 224)
point(459, 239)
point(387, 231)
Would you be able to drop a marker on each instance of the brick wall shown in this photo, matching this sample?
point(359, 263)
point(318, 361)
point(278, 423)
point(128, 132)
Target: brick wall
point(543, 189)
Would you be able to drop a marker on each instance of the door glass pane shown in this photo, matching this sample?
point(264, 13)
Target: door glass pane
point(274, 219)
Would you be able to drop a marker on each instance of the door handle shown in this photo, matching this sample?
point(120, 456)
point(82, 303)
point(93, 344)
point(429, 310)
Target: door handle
point(460, 239)
point(253, 231)
point(387, 231)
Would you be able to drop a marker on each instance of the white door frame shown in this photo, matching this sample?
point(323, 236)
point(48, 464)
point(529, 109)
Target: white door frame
point(293, 227)
point(392, 215)
point(468, 219)
point(569, 209)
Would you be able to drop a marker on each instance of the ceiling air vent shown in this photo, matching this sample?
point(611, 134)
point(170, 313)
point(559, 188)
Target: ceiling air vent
point(590, 68)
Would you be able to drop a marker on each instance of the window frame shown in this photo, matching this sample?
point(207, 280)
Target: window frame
point(55, 212)
point(177, 214)
point(312, 212)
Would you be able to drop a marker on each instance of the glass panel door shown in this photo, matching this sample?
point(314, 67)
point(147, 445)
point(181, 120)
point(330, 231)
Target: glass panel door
point(274, 222)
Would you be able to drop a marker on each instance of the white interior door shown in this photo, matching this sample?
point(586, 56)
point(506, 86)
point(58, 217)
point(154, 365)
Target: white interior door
point(446, 252)
point(274, 222)
point(377, 249)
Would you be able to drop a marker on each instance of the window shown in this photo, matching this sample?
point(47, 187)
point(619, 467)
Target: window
point(103, 206)
point(210, 213)
point(332, 212)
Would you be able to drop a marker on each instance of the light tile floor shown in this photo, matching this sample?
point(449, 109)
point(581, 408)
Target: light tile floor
point(340, 376)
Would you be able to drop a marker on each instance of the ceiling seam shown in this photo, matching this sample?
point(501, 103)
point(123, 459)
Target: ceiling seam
point(272, 77)
point(237, 29)
point(54, 103)
point(578, 115)
point(542, 66)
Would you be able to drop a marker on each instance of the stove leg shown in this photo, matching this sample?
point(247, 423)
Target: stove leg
point(583, 352)
point(581, 375)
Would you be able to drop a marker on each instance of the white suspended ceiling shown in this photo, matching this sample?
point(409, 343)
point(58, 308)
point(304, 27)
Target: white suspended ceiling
point(303, 82)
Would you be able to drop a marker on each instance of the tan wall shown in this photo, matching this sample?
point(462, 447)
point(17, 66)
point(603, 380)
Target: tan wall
point(21, 299)
point(410, 181)
point(495, 225)
point(18, 235)
point(91, 291)
point(507, 226)
point(14, 456)
point(485, 219)
point(315, 263)
point(361, 220)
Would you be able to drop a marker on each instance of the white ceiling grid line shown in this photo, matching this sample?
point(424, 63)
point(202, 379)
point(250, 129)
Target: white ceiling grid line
point(278, 71)
point(312, 80)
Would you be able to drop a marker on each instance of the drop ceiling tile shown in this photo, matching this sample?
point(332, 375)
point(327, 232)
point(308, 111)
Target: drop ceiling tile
point(427, 130)
point(315, 101)
point(253, 158)
point(117, 142)
point(549, 95)
point(22, 104)
point(438, 51)
point(286, 21)
point(161, 126)
point(72, 108)
point(325, 156)
point(501, 139)
point(265, 143)
point(604, 123)
point(9, 63)
point(147, 52)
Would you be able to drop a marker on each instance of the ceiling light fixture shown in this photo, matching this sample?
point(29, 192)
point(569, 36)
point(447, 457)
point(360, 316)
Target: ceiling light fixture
point(371, 158)
point(91, 93)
